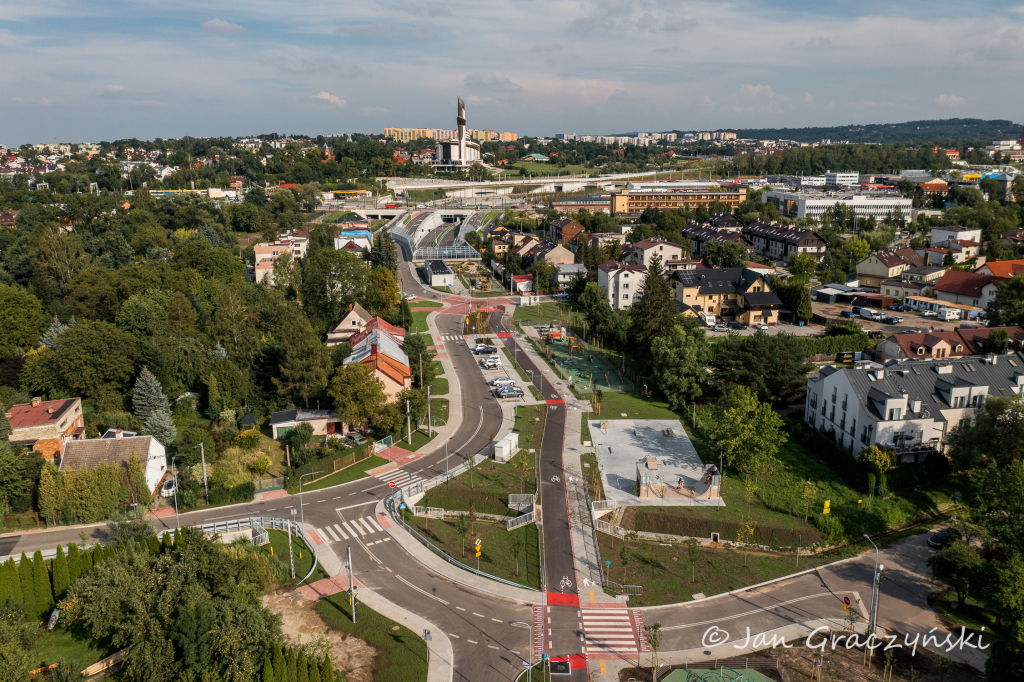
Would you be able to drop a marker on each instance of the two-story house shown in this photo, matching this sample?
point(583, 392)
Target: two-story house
point(886, 264)
point(917, 281)
point(726, 294)
point(941, 235)
point(564, 229)
point(778, 242)
point(47, 424)
point(908, 407)
point(645, 250)
point(969, 288)
point(621, 282)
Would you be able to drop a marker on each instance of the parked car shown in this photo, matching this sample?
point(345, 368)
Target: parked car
point(855, 310)
point(484, 349)
point(479, 348)
point(410, 297)
point(720, 328)
point(846, 314)
point(875, 335)
point(503, 381)
point(491, 362)
point(512, 392)
point(735, 324)
point(896, 319)
point(940, 539)
point(167, 489)
point(355, 439)
point(762, 326)
point(930, 313)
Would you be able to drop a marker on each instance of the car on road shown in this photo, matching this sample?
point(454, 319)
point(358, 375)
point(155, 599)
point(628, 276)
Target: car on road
point(503, 381)
point(720, 328)
point(895, 319)
point(509, 392)
point(484, 349)
point(855, 310)
point(410, 297)
point(355, 439)
point(940, 539)
point(167, 489)
point(736, 325)
point(930, 313)
point(761, 326)
point(847, 314)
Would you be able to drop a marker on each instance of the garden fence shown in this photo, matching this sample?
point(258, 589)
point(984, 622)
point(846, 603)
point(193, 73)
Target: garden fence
point(266, 484)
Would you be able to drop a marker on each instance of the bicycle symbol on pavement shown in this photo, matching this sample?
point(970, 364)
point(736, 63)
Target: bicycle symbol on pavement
point(555, 479)
point(565, 582)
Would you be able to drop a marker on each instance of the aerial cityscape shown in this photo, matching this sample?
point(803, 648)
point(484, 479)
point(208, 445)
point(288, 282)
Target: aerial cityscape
point(593, 341)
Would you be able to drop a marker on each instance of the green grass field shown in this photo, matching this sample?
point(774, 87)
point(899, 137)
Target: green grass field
point(419, 439)
point(491, 215)
point(439, 408)
point(74, 644)
point(300, 550)
point(622, 405)
point(402, 654)
point(550, 168)
point(498, 557)
point(419, 322)
point(544, 313)
point(425, 304)
point(352, 473)
point(439, 387)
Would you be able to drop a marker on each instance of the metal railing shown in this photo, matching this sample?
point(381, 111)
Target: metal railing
point(520, 502)
point(601, 505)
point(521, 520)
point(430, 512)
point(735, 663)
point(623, 589)
point(608, 528)
point(266, 484)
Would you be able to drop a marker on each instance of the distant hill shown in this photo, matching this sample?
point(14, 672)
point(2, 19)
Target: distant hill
point(952, 130)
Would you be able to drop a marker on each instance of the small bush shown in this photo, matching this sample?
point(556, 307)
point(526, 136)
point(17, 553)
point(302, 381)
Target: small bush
point(258, 464)
point(218, 495)
point(187, 498)
point(243, 492)
point(248, 440)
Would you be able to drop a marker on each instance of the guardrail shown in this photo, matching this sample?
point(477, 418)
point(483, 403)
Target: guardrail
point(521, 520)
point(601, 505)
point(624, 589)
point(736, 663)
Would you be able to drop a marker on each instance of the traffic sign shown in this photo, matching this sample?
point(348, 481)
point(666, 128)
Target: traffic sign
point(391, 484)
point(477, 543)
point(846, 603)
point(826, 510)
point(402, 505)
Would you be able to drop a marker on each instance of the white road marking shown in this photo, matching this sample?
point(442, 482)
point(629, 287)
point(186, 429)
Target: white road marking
point(374, 523)
point(423, 592)
point(472, 642)
point(350, 531)
point(460, 608)
point(341, 531)
point(332, 534)
point(452, 634)
point(497, 621)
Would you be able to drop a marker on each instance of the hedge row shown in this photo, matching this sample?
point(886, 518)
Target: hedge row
point(827, 345)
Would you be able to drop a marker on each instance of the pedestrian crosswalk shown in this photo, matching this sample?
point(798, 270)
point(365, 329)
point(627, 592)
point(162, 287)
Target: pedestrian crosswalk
point(614, 631)
point(358, 528)
point(401, 477)
point(451, 337)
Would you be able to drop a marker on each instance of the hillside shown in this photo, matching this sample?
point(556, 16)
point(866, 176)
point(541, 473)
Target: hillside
point(952, 130)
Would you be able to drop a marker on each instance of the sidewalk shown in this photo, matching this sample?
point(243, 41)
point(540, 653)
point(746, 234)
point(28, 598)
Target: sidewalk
point(441, 657)
point(457, 575)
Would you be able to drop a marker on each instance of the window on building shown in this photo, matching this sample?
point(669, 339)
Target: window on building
point(853, 427)
point(895, 414)
point(625, 297)
point(835, 392)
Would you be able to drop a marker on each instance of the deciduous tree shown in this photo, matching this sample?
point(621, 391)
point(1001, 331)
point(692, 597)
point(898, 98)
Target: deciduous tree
point(679, 362)
point(358, 394)
point(22, 320)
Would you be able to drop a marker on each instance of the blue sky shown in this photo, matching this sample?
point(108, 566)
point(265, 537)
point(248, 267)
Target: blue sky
point(89, 70)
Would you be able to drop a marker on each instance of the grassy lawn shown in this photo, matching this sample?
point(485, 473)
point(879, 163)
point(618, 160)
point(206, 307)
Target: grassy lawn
point(497, 556)
point(635, 406)
point(487, 487)
point(425, 304)
point(592, 475)
point(551, 169)
point(232, 462)
point(544, 313)
point(477, 324)
point(585, 428)
point(439, 408)
point(419, 322)
point(444, 290)
point(530, 425)
point(402, 654)
point(419, 439)
point(438, 368)
point(439, 387)
point(667, 572)
point(301, 551)
point(352, 473)
point(523, 377)
point(491, 215)
point(75, 645)
point(418, 196)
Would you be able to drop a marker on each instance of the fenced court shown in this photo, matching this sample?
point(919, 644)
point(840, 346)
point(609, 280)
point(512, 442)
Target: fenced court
point(584, 365)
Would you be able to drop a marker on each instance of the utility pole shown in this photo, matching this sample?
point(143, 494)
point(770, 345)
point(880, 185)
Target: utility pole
point(408, 421)
point(291, 555)
point(352, 585)
point(430, 422)
point(206, 487)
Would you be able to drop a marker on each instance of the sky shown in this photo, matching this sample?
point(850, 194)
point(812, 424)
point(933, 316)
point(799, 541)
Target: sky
point(91, 71)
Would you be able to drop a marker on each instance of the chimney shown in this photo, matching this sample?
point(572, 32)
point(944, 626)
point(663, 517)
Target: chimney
point(373, 349)
point(118, 434)
point(36, 402)
point(49, 410)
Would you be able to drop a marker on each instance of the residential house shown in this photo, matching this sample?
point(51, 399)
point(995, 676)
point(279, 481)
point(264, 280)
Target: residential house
point(353, 239)
point(621, 282)
point(115, 448)
point(917, 281)
point(564, 272)
point(960, 342)
point(886, 264)
point(350, 324)
point(576, 204)
point(1014, 235)
point(564, 230)
point(969, 288)
point(51, 420)
point(778, 242)
point(500, 246)
point(324, 422)
point(546, 250)
point(382, 352)
point(962, 250)
point(522, 283)
point(438, 274)
point(701, 234)
point(908, 407)
point(946, 310)
point(933, 186)
point(724, 221)
point(1005, 269)
point(941, 235)
point(603, 239)
point(268, 252)
point(726, 294)
point(644, 251)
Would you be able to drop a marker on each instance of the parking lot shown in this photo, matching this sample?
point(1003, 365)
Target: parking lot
point(911, 320)
point(500, 371)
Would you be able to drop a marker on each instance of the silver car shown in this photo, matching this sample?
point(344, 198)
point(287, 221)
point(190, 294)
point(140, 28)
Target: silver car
point(503, 381)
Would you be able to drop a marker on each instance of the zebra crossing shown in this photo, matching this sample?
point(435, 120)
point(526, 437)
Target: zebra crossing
point(401, 477)
point(451, 337)
point(357, 528)
point(614, 631)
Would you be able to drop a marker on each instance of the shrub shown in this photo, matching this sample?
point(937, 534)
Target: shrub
point(831, 528)
point(258, 464)
point(248, 440)
point(243, 492)
point(187, 498)
point(218, 495)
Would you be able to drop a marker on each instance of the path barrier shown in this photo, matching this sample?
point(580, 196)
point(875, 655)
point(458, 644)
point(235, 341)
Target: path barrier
point(521, 520)
point(623, 589)
point(520, 502)
point(266, 484)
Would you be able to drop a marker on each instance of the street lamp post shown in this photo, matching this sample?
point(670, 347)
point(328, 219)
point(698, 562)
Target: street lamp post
point(445, 422)
point(694, 403)
point(875, 581)
point(528, 626)
point(303, 513)
point(175, 472)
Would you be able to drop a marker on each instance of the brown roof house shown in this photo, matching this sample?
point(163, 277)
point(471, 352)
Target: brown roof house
point(886, 264)
point(46, 420)
point(115, 448)
point(351, 324)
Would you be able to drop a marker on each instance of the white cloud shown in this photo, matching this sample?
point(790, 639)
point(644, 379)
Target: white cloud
point(222, 27)
point(757, 90)
point(113, 90)
point(949, 100)
point(333, 100)
point(491, 81)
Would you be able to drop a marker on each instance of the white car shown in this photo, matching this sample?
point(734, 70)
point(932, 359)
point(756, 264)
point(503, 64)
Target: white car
point(491, 363)
point(167, 489)
point(410, 297)
point(930, 313)
point(762, 326)
point(502, 381)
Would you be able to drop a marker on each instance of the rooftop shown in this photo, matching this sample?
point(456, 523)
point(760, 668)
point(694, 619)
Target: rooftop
point(38, 413)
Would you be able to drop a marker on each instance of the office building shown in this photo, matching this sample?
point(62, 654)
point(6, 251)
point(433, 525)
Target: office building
point(810, 204)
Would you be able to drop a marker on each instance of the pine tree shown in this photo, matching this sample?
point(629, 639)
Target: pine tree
point(166, 542)
point(280, 667)
point(327, 670)
point(154, 546)
point(6, 582)
point(152, 407)
point(314, 672)
point(28, 585)
point(84, 563)
point(41, 581)
point(49, 337)
point(61, 579)
point(268, 671)
point(301, 667)
point(290, 664)
point(14, 581)
point(213, 399)
point(98, 555)
point(74, 564)
point(176, 536)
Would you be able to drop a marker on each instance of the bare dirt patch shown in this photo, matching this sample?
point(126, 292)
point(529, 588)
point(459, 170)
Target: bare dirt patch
point(300, 623)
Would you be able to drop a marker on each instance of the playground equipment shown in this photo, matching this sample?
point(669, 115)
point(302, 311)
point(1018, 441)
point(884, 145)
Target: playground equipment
point(576, 346)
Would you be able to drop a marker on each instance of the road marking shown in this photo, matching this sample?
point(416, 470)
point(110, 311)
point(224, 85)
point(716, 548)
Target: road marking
point(592, 601)
point(272, 509)
point(423, 592)
point(460, 608)
point(453, 635)
point(369, 529)
point(332, 534)
point(489, 646)
point(478, 614)
point(497, 621)
point(351, 532)
point(373, 523)
point(472, 642)
point(341, 531)
point(338, 497)
point(765, 608)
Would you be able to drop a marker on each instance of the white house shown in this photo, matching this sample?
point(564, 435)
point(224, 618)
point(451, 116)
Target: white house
point(621, 282)
point(941, 235)
point(116, 448)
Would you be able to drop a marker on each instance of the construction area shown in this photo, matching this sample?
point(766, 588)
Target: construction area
point(583, 365)
point(652, 462)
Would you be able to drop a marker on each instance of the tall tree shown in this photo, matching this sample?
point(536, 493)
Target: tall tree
point(358, 394)
point(17, 472)
point(28, 585)
point(327, 670)
point(385, 252)
point(652, 314)
point(746, 426)
point(680, 361)
point(306, 365)
point(331, 280)
point(41, 580)
point(22, 320)
point(61, 579)
point(773, 366)
point(152, 407)
point(381, 293)
point(1007, 308)
point(420, 360)
point(74, 560)
point(724, 254)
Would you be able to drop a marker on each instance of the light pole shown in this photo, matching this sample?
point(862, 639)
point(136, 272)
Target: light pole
point(528, 626)
point(694, 403)
point(875, 582)
point(175, 472)
point(291, 554)
point(445, 422)
point(303, 515)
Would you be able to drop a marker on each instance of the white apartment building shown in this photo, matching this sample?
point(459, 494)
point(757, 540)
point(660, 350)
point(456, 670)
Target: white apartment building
point(814, 204)
point(644, 251)
point(941, 236)
point(622, 283)
point(908, 407)
point(842, 179)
